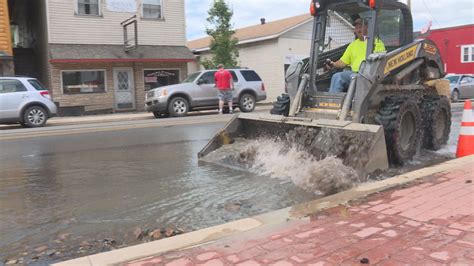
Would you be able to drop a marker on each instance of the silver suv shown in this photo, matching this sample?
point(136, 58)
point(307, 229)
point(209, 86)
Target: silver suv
point(198, 92)
point(25, 101)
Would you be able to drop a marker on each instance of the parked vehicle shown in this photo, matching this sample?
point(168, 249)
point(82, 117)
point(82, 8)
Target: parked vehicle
point(462, 86)
point(26, 101)
point(198, 92)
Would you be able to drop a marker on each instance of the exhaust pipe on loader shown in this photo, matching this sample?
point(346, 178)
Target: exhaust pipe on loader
point(360, 146)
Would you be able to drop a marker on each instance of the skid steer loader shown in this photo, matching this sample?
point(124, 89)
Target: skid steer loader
point(396, 103)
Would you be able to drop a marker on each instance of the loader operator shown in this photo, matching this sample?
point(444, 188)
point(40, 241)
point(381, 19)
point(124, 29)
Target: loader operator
point(353, 56)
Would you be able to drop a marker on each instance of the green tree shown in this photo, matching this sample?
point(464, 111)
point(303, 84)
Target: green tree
point(223, 45)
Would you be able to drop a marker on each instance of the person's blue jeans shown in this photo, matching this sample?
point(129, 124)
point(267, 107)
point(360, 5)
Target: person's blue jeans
point(340, 81)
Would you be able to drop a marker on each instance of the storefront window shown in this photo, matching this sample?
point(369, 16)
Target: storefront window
point(89, 81)
point(159, 78)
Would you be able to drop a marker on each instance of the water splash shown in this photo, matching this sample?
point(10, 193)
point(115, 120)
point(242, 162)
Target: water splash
point(279, 160)
point(284, 160)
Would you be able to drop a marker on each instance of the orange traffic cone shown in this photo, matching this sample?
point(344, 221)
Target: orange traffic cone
point(466, 138)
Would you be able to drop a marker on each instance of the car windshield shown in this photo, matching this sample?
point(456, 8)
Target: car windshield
point(190, 78)
point(453, 79)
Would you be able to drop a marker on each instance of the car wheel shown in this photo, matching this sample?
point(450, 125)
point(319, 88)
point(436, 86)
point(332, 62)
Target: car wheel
point(157, 114)
point(455, 95)
point(35, 116)
point(160, 114)
point(247, 103)
point(178, 106)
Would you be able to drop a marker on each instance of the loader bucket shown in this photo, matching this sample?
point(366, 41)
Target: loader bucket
point(359, 146)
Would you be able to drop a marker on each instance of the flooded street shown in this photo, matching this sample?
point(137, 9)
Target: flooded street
point(63, 191)
point(70, 195)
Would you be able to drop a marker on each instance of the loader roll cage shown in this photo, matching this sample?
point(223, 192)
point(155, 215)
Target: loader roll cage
point(383, 22)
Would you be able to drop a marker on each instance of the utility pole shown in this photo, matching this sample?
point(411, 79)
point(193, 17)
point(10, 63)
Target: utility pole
point(409, 4)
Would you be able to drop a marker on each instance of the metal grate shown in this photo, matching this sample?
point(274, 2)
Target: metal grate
point(125, 105)
point(339, 31)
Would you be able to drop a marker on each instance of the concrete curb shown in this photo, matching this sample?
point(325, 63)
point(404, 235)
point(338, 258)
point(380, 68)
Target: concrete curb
point(260, 222)
point(125, 117)
point(98, 119)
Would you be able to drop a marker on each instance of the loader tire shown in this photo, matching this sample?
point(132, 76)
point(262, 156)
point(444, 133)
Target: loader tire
point(401, 120)
point(281, 106)
point(436, 121)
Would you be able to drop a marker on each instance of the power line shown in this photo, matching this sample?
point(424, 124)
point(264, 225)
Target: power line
point(431, 14)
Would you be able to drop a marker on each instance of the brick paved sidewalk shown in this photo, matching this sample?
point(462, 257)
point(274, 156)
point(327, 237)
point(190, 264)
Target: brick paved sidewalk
point(428, 222)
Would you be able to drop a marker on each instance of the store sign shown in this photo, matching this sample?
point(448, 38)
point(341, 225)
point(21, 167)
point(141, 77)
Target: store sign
point(161, 73)
point(158, 78)
point(129, 6)
point(151, 79)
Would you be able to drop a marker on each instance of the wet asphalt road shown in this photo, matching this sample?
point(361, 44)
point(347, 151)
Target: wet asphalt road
point(63, 186)
point(101, 181)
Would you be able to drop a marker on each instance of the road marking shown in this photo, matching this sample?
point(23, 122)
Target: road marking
point(60, 132)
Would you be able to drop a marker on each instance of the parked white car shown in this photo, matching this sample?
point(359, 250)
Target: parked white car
point(198, 92)
point(26, 101)
point(462, 86)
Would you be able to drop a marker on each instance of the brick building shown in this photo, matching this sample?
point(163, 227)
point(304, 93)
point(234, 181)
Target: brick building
point(456, 45)
point(101, 55)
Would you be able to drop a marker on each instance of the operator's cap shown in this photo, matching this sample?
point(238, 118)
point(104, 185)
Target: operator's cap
point(360, 21)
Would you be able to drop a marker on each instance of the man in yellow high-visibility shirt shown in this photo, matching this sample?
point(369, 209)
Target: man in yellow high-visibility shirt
point(353, 56)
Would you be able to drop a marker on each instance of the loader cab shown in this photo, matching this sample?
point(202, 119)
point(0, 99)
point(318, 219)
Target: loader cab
point(388, 21)
point(392, 20)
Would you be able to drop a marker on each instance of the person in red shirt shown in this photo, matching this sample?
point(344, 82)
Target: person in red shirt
point(225, 85)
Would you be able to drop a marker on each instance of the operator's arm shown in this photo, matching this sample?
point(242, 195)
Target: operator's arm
point(339, 64)
point(343, 61)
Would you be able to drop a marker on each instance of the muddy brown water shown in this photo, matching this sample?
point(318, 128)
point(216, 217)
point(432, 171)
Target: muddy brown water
point(72, 193)
point(83, 194)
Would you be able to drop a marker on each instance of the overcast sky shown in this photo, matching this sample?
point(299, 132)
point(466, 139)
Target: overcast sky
point(442, 13)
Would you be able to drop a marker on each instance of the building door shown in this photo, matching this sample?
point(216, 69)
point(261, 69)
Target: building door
point(124, 89)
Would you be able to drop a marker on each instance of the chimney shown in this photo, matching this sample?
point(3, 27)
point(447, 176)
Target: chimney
point(262, 20)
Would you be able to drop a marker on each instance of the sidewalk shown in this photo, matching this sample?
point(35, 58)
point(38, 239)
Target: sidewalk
point(73, 120)
point(128, 116)
point(424, 217)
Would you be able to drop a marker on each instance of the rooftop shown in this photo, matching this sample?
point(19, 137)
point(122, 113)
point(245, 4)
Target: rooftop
point(68, 53)
point(260, 31)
